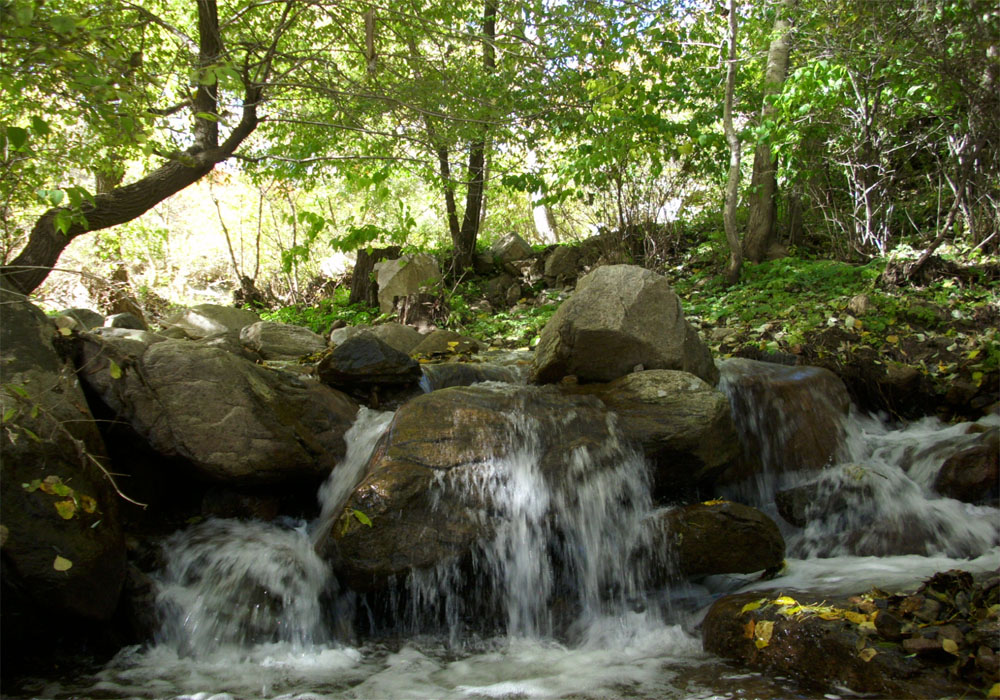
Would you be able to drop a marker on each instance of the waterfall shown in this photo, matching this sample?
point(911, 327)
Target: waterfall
point(567, 540)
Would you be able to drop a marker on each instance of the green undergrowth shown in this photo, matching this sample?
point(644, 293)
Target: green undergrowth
point(320, 317)
point(947, 328)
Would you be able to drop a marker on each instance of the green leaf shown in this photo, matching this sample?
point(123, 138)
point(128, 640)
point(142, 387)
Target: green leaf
point(63, 221)
point(31, 434)
point(32, 486)
point(19, 390)
point(8, 414)
point(361, 517)
point(40, 126)
point(17, 137)
point(114, 370)
point(24, 12)
point(63, 24)
point(208, 116)
point(62, 564)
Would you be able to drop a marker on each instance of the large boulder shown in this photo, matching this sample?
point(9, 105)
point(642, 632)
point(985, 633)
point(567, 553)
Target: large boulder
point(365, 360)
point(444, 344)
point(428, 487)
point(205, 320)
point(230, 419)
point(280, 341)
point(396, 335)
point(403, 277)
point(715, 537)
point(790, 418)
point(85, 318)
point(62, 544)
point(682, 423)
point(620, 317)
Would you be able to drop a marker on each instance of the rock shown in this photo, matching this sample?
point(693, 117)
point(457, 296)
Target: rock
point(63, 547)
point(973, 474)
point(716, 537)
point(511, 248)
point(447, 374)
point(403, 277)
point(86, 318)
point(426, 487)
point(860, 304)
point(204, 320)
point(230, 342)
point(682, 423)
point(443, 343)
point(562, 265)
point(126, 320)
point(231, 420)
point(867, 644)
point(620, 316)
point(365, 360)
point(503, 291)
point(280, 341)
point(789, 418)
point(396, 335)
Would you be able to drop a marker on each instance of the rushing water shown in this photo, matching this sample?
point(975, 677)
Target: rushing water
point(251, 611)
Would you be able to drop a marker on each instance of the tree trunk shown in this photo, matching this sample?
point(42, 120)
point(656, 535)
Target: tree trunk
point(46, 243)
point(364, 289)
point(763, 183)
point(465, 243)
point(733, 139)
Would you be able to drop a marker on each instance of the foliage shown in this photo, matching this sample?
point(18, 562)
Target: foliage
point(321, 316)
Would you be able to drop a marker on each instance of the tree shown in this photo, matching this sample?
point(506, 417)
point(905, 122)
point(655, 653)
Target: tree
point(245, 64)
point(733, 140)
point(763, 182)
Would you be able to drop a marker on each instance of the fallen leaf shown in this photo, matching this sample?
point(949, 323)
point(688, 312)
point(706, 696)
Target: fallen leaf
point(714, 502)
point(87, 503)
point(785, 600)
point(62, 564)
point(752, 605)
point(763, 632)
point(949, 646)
point(66, 509)
point(856, 618)
point(994, 691)
point(114, 370)
point(748, 629)
point(867, 654)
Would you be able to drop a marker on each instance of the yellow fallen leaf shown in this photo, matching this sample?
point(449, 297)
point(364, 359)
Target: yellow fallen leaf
point(114, 370)
point(830, 615)
point(785, 600)
point(892, 339)
point(752, 605)
point(62, 564)
point(87, 503)
point(949, 646)
point(856, 618)
point(994, 691)
point(714, 502)
point(867, 654)
point(66, 509)
point(867, 625)
point(763, 632)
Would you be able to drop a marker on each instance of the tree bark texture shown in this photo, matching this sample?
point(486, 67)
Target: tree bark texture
point(364, 289)
point(763, 183)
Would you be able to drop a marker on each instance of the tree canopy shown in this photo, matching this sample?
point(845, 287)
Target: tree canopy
point(876, 128)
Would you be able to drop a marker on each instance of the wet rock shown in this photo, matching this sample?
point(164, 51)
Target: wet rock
point(364, 361)
point(403, 277)
point(872, 643)
point(424, 489)
point(226, 417)
point(800, 410)
point(682, 423)
point(973, 473)
point(716, 537)
point(448, 374)
point(204, 320)
point(280, 341)
point(620, 317)
point(63, 561)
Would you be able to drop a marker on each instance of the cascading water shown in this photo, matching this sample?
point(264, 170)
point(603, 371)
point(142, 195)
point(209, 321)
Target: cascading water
point(562, 569)
point(566, 538)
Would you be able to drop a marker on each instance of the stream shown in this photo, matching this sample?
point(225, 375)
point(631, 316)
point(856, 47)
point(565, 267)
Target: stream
point(251, 611)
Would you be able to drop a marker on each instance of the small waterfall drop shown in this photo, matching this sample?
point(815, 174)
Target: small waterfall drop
point(234, 584)
point(567, 543)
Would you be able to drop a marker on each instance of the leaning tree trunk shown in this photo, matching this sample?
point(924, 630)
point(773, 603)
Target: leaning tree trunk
point(733, 139)
point(763, 183)
point(46, 243)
